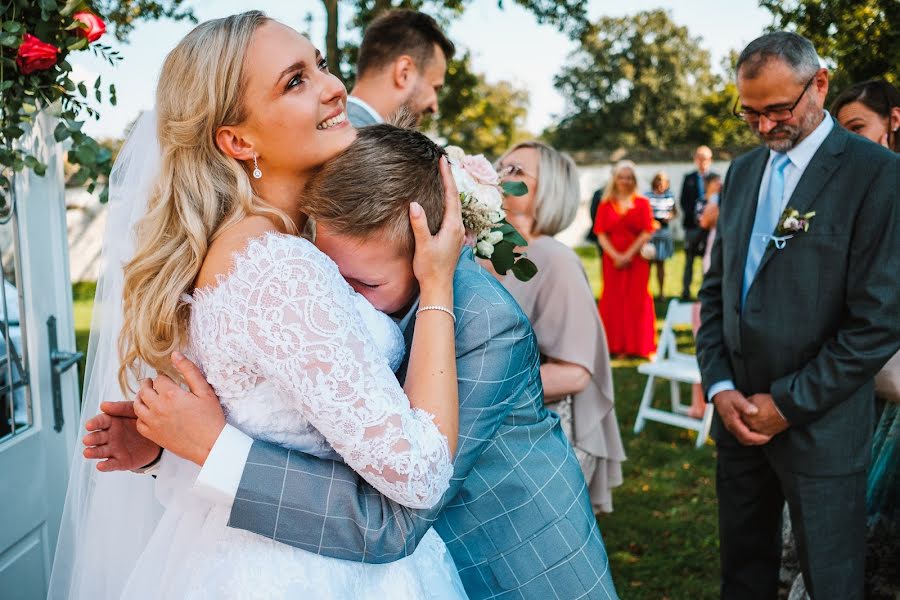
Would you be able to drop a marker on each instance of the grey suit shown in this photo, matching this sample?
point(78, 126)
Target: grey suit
point(358, 115)
point(821, 316)
point(517, 518)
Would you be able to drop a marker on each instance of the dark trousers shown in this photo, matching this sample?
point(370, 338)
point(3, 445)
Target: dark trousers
point(694, 248)
point(828, 518)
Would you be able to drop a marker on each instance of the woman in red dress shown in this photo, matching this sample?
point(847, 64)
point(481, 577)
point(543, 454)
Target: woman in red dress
point(623, 224)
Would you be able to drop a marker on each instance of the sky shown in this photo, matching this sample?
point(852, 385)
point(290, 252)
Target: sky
point(506, 45)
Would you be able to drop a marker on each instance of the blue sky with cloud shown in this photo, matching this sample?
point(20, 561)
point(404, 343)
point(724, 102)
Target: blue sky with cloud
point(506, 44)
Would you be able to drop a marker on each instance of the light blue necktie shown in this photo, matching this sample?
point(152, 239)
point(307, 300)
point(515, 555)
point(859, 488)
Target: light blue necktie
point(767, 214)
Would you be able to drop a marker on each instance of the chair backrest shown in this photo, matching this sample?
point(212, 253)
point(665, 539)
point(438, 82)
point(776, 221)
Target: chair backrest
point(678, 313)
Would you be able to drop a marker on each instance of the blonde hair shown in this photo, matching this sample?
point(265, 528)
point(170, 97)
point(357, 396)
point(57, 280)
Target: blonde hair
point(610, 190)
point(558, 190)
point(198, 193)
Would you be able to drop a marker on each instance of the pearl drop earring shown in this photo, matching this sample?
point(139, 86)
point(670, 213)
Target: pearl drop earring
point(257, 174)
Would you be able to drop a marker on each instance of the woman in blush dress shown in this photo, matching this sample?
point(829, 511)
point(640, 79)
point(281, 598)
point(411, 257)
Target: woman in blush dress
point(623, 225)
point(575, 369)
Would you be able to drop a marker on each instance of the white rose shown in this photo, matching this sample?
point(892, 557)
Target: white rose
point(485, 249)
point(455, 154)
point(791, 223)
point(498, 216)
point(494, 237)
point(464, 182)
point(490, 197)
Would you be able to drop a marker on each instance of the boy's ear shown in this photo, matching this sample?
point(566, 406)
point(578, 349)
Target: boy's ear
point(233, 144)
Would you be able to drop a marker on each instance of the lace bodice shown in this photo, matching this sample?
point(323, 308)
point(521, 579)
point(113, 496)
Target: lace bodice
point(291, 351)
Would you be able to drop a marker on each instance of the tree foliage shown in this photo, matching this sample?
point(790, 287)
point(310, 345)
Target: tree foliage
point(482, 117)
point(638, 80)
point(860, 37)
point(124, 14)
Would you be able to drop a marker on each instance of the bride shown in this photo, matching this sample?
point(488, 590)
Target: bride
point(245, 111)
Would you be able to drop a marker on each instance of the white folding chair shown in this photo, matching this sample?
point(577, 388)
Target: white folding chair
point(677, 367)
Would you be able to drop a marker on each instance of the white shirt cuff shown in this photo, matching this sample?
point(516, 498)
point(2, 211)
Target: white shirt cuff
point(719, 386)
point(221, 475)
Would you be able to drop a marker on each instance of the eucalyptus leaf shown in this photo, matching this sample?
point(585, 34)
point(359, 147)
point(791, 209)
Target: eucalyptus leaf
point(40, 169)
point(503, 257)
point(524, 269)
point(70, 7)
point(515, 238)
point(514, 188)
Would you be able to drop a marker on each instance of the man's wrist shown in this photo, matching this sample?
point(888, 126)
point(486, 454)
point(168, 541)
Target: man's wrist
point(151, 467)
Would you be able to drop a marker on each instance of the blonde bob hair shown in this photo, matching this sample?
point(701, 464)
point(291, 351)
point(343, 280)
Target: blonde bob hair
point(558, 191)
point(199, 191)
point(620, 166)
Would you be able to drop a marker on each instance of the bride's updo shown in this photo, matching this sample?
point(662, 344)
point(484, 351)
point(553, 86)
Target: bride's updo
point(199, 192)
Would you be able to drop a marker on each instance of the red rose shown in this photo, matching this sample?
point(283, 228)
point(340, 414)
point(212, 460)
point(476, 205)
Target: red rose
point(35, 55)
point(95, 25)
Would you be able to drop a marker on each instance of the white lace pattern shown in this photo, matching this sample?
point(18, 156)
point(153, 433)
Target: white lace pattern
point(282, 342)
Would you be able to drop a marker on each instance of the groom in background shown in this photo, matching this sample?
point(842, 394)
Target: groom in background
point(794, 327)
point(401, 63)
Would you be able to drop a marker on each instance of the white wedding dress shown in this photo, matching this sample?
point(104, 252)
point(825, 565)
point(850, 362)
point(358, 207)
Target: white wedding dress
point(299, 359)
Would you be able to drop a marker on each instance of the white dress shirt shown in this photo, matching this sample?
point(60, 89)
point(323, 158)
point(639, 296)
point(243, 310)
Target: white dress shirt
point(800, 156)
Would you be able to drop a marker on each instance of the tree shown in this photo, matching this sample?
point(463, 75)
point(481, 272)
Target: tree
point(861, 38)
point(717, 126)
point(481, 117)
point(635, 81)
point(124, 14)
point(567, 15)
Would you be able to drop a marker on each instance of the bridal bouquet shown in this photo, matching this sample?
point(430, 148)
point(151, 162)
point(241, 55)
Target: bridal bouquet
point(481, 194)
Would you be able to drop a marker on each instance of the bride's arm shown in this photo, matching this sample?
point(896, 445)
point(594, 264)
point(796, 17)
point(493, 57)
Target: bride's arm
point(302, 333)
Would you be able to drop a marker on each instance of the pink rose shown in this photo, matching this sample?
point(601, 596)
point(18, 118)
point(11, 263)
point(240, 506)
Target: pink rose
point(95, 25)
point(481, 169)
point(35, 55)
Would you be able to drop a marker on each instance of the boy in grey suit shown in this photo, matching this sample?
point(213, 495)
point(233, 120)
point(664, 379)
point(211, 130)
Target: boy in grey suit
point(517, 518)
point(796, 320)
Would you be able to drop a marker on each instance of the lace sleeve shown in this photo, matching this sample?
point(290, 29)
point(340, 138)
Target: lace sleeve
point(304, 335)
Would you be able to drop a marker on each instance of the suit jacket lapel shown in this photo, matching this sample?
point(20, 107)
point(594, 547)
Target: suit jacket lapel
point(820, 169)
point(749, 195)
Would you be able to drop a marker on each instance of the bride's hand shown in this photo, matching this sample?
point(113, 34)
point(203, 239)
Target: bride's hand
point(436, 255)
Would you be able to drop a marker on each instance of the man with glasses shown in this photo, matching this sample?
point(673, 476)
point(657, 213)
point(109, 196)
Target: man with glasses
point(799, 313)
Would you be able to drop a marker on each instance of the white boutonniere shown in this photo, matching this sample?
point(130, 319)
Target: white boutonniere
point(481, 194)
point(790, 224)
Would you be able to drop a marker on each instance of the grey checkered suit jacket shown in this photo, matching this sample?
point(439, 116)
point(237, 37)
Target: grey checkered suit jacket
point(517, 518)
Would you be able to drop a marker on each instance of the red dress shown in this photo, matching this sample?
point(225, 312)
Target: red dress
point(626, 307)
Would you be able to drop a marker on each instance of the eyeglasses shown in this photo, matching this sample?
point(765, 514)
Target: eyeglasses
point(513, 170)
point(776, 115)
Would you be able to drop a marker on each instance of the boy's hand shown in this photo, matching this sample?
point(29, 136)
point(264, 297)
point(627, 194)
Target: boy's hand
point(115, 441)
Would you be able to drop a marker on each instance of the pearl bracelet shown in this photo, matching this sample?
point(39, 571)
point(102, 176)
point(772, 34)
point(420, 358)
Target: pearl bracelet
point(440, 308)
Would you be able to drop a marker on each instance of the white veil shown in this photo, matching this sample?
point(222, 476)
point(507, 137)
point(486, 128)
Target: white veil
point(108, 517)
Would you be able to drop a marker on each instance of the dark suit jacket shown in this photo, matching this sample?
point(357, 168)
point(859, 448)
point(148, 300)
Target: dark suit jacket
point(822, 315)
point(690, 192)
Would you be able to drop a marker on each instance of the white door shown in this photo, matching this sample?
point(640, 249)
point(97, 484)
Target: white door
point(38, 416)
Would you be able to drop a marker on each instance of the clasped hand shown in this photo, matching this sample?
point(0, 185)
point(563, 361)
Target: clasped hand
point(130, 435)
point(754, 420)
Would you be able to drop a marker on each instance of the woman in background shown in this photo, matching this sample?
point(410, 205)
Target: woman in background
point(662, 202)
point(575, 368)
point(623, 225)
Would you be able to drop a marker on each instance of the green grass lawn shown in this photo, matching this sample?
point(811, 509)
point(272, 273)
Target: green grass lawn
point(662, 538)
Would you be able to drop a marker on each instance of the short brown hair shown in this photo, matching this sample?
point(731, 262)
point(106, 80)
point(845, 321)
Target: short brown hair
point(399, 32)
point(368, 187)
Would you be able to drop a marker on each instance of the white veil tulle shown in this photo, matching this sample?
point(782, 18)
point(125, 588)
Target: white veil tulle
point(108, 517)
